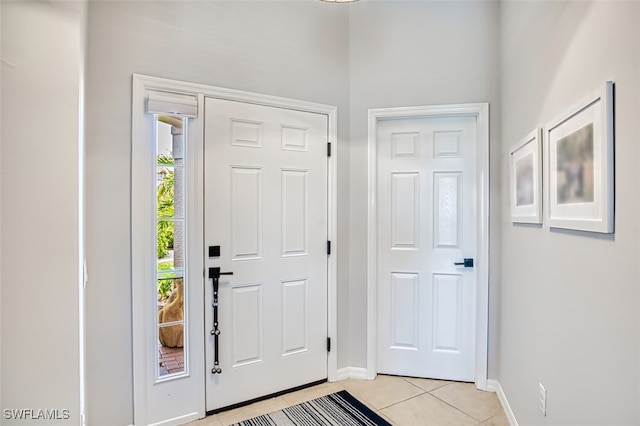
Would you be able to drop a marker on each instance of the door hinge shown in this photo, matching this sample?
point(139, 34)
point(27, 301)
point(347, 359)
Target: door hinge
point(328, 149)
point(328, 248)
point(328, 344)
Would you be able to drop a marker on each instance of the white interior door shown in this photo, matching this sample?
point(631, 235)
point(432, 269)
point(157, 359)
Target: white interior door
point(266, 208)
point(426, 193)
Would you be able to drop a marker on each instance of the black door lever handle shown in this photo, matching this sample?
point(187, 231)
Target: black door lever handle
point(468, 263)
point(215, 273)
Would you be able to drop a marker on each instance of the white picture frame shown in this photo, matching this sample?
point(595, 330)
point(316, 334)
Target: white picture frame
point(580, 163)
point(525, 177)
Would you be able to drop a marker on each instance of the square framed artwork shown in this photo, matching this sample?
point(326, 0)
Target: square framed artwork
point(525, 177)
point(580, 162)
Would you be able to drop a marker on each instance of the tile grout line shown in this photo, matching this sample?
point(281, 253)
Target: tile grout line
point(395, 403)
point(423, 392)
point(458, 409)
point(492, 417)
point(379, 411)
point(406, 399)
point(436, 397)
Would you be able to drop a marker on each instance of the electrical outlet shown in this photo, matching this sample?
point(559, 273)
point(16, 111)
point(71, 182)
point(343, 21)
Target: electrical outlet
point(542, 399)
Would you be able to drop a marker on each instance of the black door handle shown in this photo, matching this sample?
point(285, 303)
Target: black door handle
point(468, 263)
point(215, 273)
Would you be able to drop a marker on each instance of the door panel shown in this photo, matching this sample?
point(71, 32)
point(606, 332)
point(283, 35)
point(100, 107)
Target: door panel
point(246, 213)
point(295, 202)
point(295, 316)
point(426, 217)
point(447, 220)
point(405, 202)
point(246, 324)
point(404, 310)
point(266, 207)
point(446, 325)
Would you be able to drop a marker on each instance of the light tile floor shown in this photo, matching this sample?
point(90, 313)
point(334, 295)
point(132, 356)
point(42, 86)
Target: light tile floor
point(403, 401)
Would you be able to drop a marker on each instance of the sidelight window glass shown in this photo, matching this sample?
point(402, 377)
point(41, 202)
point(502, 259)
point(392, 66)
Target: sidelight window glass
point(171, 283)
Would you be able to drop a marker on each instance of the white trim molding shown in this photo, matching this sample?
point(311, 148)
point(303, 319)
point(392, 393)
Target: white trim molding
point(494, 386)
point(352, 373)
point(481, 112)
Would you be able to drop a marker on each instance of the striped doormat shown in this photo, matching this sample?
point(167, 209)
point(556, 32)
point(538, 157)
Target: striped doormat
point(339, 409)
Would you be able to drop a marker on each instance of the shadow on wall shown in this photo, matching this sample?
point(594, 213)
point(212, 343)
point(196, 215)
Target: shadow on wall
point(538, 64)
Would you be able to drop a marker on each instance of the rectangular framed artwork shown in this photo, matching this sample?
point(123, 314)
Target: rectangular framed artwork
point(580, 150)
point(525, 169)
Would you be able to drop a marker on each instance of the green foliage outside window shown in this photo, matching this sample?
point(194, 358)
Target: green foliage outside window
point(165, 194)
point(165, 285)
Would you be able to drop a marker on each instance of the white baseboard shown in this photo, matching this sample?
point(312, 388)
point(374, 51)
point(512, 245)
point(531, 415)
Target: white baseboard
point(352, 373)
point(494, 386)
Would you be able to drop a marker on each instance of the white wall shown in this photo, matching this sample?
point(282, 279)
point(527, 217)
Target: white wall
point(570, 301)
point(406, 54)
point(358, 56)
point(575, 329)
point(40, 83)
point(289, 49)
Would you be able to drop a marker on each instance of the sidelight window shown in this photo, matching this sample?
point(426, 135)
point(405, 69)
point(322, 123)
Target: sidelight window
point(166, 257)
point(170, 247)
point(170, 282)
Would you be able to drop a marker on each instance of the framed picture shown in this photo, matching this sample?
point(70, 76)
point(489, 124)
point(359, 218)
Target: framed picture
point(580, 165)
point(525, 170)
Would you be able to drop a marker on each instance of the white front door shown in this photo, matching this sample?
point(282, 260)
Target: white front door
point(265, 191)
point(426, 192)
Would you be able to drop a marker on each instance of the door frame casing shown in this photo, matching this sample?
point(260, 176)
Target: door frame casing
point(141, 229)
point(481, 112)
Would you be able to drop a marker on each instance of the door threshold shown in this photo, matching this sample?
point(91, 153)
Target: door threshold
point(265, 397)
